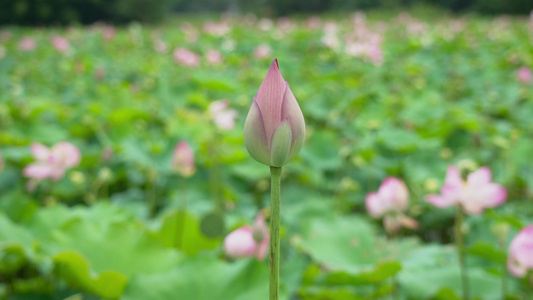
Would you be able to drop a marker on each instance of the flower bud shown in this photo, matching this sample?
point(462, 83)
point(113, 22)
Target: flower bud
point(183, 159)
point(274, 129)
point(249, 241)
point(520, 260)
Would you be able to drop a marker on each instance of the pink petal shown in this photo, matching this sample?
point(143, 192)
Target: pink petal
point(493, 195)
point(394, 192)
point(453, 177)
point(37, 170)
point(521, 252)
point(40, 151)
point(440, 201)
point(68, 154)
point(374, 205)
point(269, 98)
point(290, 111)
point(472, 207)
point(479, 178)
point(183, 159)
point(240, 243)
point(515, 268)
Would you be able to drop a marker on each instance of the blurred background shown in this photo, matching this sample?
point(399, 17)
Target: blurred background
point(123, 173)
point(63, 12)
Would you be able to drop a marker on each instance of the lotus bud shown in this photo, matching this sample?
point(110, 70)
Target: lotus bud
point(520, 260)
point(183, 159)
point(246, 242)
point(274, 129)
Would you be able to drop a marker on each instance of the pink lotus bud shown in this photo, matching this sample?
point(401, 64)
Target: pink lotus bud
point(183, 159)
point(221, 115)
point(524, 75)
point(27, 44)
point(52, 163)
point(214, 57)
point(60, 43)
point(520, 260)
point(242, 242)
point(274, 129)
point(186, 58)
point(474, 195)
point(392, 197)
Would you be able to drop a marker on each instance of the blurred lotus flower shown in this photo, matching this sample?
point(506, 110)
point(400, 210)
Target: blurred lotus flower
point(1, 163)
point(473, 195)
point(216, 29)
point(108, 32)
point(221, 115)
point(214, 57)
point(185, 57)
point(312, 22)
point(274, 129)
point(520, 260)
point(524, 75)
point(27, 44)
point(60, 43)
point(190, 32)
point(52, 163)
point(249, 241)
point(390, 202)
point(262, 51)
point(160, 46)
point(265, 24)
point(183, 159)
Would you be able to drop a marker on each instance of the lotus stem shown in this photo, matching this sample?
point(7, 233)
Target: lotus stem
point(275, 207)
point(459, 242)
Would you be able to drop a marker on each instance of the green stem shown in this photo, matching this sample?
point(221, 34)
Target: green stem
point(275, 207)
point(459, 241)
point(504, 280)
point(180, 217)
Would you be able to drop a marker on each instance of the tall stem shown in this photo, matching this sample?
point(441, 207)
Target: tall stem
point(275, 207)
point(459, 242)
point(180, 216)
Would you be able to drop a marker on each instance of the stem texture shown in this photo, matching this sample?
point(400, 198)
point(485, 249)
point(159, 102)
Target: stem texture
point(459, 242)
point(275, 207)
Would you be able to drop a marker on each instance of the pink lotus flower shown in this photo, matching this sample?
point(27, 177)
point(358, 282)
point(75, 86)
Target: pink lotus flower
point(262, 51)
point(249, 241)
point(183, 159)
point(216, 29)
point(222, 116)
point(52, 163)
point(274, 129)
point(520, 259)
point(108, 32)
point(27, 44)
point(60, 43)
point(186, 58)
point(160, 46)
point(390, 202)
point(473, 195)
point(214, 57)
point(524, 75)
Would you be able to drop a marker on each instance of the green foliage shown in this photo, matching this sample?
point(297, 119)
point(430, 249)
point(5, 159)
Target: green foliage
point(126, 226)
